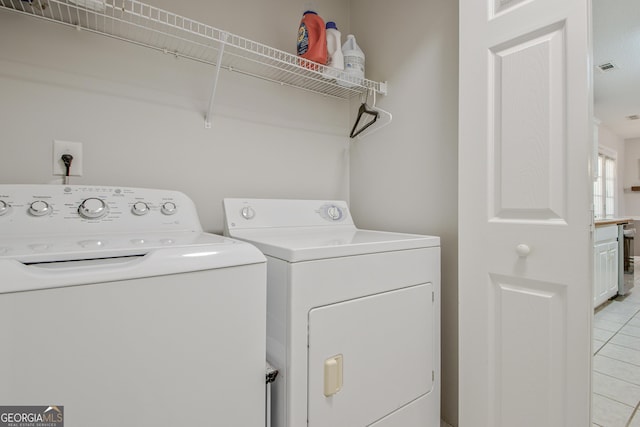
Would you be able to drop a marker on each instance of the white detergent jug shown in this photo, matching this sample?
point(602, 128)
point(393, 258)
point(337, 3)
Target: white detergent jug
point(353, 63)
point(334, 48)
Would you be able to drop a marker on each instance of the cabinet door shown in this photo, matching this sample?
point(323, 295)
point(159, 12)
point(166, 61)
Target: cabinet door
point(600, 254)
point(370, 356)
point(605, 283)
point(612, 269)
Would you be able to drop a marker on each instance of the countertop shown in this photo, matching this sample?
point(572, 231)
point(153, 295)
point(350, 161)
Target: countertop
point(612, 221)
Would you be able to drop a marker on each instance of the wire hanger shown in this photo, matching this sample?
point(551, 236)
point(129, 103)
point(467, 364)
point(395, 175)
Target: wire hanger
point(373, 111)
point(364, 110)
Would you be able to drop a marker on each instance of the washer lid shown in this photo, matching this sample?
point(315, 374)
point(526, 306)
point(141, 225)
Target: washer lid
point(64, 248)
point(306, 244)
point(59, 262)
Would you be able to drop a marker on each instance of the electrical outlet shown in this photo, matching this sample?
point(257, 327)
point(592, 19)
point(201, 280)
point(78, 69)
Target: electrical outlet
point(67, 147)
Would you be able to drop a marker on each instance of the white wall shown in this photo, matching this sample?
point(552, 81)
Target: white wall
point(140, 113)
point(610, 141)
point(404, 177)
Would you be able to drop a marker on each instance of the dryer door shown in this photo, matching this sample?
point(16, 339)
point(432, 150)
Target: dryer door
point(370, 356)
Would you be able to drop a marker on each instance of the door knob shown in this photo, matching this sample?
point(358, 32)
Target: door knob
point(523, 250)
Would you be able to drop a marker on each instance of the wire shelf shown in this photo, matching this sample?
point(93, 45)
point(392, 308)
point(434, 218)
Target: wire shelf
point(145, 25)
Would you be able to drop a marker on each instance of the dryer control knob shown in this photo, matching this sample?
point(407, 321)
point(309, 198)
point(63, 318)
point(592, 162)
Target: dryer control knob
point(4, 207)
point(140, 208)
point(93, 208)
point(334, 212)
point(169, 208)
point(39, 208)
point(248, 212)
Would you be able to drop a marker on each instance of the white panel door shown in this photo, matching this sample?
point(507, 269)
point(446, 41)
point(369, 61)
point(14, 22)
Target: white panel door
point(525, 219)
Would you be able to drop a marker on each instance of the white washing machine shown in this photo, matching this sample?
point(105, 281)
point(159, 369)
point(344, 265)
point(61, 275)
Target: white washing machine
point(116, 306)
point(353, 316)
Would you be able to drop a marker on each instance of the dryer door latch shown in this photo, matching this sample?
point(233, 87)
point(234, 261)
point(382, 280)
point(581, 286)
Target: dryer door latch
point(332, 375)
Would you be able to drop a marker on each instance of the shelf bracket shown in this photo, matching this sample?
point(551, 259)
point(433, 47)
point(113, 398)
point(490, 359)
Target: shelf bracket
point(209, 115)
point(383, 88)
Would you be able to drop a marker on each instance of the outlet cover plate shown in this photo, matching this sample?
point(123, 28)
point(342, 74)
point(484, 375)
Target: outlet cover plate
point(67, 147)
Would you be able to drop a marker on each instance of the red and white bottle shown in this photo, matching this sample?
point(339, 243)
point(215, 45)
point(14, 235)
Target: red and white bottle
point(312, 38)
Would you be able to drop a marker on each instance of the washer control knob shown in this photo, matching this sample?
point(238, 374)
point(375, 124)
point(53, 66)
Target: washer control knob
point(334, 212)
point(93, 208)
point(40, 208)
point(169, 208)
point(248, 212)
point(140, 208)
point(4, 207)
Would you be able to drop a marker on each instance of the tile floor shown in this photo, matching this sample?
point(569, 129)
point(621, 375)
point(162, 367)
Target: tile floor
point(616, 362)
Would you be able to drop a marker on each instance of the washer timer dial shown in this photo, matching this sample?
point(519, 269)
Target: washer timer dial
point(93, 208)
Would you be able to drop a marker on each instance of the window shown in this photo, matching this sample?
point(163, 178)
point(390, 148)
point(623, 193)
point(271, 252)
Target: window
point(604, 187)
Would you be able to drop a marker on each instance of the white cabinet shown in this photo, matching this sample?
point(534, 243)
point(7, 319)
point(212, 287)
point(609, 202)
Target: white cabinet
point(606, 264)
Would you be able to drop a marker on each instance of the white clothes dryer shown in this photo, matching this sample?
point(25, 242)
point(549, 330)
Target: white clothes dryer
point(116, 307)
point(353, 316)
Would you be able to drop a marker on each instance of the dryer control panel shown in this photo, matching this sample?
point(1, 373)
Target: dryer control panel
point(281, 213)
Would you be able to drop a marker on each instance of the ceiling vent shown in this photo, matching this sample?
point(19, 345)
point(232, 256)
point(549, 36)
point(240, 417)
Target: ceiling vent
point(633, 117)
point(607, 66)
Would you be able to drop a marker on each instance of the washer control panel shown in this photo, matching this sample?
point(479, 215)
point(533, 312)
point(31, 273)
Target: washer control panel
point(73, 209)
point(46, 223)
